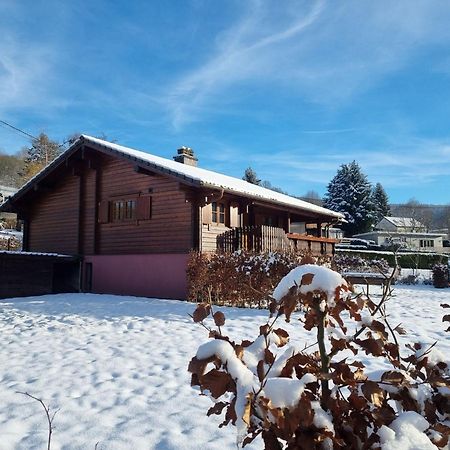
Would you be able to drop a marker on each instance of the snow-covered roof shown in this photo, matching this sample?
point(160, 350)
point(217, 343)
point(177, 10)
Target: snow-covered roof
point(404, 222)
point(215, 180)
point(46, 255)
point(188, 174)
point(412, 234)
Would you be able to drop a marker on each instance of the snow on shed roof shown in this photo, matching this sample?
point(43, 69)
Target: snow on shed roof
point(216, 180)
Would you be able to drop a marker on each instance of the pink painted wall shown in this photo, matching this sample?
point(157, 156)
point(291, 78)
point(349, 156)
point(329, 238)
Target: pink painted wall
point(154, 275)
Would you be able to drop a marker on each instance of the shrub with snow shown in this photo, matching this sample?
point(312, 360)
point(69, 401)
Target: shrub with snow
point(440, 276)
point(322, 397)
point(353, 263)
point(244, 279)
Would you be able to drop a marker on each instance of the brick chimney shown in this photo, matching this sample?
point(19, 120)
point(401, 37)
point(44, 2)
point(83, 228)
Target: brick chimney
point(186, 156)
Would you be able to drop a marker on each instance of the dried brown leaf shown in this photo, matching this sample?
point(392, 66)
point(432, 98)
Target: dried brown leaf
point(270, 440)
point(201, 312)
point(216, 382)
point(305, 412)
point(269, 357)
point(260, 370)
point(379, 328)
point(289, 304)
point(197, 367)
point(400, 330)
point(393, 377)
point(356, 401)
point(282, 335)
point(307, 279)
point(373, 393)
point(371, 346)
point(219, 318)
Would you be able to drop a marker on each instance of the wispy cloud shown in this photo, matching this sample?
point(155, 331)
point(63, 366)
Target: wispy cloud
point(410, 163)
point(25, 74)
point(322, 51)
point(331, 131)
point(242, 52)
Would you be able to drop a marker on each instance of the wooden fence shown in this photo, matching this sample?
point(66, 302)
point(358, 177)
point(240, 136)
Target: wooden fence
point(270, 239)
point(255, 238)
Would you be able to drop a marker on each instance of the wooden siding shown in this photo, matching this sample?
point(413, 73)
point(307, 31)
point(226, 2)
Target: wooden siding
point(88, 213)
point(209, 236)
point(169, 228)
point(24, 274)
point(64, 218)
point(53, 225)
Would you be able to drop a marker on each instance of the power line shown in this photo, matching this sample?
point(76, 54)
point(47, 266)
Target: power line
point(18, 129)
point(28, 134)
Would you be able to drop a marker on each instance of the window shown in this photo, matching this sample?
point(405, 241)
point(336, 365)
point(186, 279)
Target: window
point(123, 210)
point(427, 243)
point(218, 212)
point(127, 209)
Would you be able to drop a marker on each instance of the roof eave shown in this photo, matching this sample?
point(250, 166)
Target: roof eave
point(8, 206)
point(335, 216)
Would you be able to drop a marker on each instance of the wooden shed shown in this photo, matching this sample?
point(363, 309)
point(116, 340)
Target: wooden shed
point(25, 273)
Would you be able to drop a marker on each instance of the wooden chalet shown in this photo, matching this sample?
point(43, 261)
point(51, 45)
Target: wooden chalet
point(132, 218)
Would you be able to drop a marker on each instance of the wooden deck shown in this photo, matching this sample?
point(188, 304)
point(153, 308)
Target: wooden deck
point(270, 239)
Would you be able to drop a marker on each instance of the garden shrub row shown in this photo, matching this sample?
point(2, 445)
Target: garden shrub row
point(408, 260)
point(242, 279)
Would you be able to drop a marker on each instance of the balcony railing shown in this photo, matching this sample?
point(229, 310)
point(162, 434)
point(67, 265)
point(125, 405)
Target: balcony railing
point(270, 239)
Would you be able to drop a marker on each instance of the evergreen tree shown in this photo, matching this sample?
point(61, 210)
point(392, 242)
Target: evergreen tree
point(349, 193)
point(250, 176)
point(381, 202)
point(41, 153)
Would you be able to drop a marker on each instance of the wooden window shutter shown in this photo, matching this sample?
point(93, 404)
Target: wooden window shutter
point(144, 208)
point(103, 211)
point(234, 215)
point(207, 214)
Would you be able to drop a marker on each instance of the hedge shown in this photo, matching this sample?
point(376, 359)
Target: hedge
point(406, 260)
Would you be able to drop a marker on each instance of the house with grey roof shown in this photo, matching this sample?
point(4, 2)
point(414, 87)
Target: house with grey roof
point(405, 232)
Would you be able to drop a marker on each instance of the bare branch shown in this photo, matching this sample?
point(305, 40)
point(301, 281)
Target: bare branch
point(50, 418)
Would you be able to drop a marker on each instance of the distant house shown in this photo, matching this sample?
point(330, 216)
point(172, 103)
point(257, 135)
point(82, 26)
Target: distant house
point(400, 224)
point(405, 232)
point(132, 217)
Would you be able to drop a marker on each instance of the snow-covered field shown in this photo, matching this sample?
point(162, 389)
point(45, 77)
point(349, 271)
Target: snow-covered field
point(116, 368)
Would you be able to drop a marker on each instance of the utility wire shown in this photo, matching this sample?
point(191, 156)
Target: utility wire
point(28, 134)
point(18, 129)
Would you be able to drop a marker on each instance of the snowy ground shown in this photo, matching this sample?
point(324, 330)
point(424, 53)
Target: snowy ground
point(116, 368)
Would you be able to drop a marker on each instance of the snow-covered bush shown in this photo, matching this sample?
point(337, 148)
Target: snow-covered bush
point(354, 263)
point(440, 276)
point(244, 279)
point(321, 396)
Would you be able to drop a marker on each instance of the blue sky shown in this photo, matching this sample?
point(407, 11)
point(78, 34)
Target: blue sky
point(293, 89)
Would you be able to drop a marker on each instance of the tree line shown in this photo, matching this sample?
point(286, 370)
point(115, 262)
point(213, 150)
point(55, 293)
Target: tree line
point(17, 169)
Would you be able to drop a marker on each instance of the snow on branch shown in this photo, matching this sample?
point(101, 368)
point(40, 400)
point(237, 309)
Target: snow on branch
point(321, 396)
